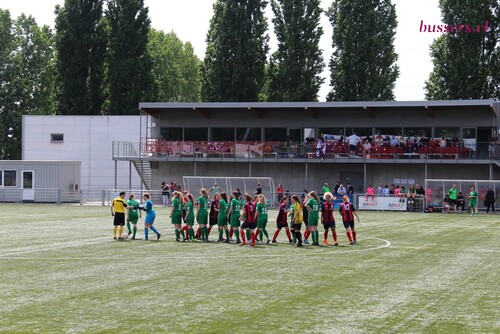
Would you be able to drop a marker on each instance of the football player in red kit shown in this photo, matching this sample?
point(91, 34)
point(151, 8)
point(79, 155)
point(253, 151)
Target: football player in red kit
point(348, 212)
point(327, 218)
point(281, 221)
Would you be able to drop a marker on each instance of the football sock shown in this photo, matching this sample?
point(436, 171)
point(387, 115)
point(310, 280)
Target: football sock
point(146, 232)
point(185, 230)
point(354, 236)
point(154, 230)
point(120, 231)
point(298, 235)
point(306, 234)
point(334, 233)
point(205, 229)
point(261, 233)
point(128, 228)
point(231, 233)
point(275, 236)
point(221, 232)
point(266, 234)
point(243, 236)
point(288, 235)
point(134, 231)
point(254, 237)
point(349, 236)
point(209, 229)
point(326, 235)
point(183, 235)
point(177, 235)
point(114, 231)
point(317, 237)
point(191, 233)
point(227, 234)
point(198, 232)
point(249, 235)
point(237, 233)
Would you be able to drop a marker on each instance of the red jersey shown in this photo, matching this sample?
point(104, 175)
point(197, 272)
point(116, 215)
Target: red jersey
point(249, 212)
point(282, 215)
point(346, 211)
point(214, 205)
point(327, 212)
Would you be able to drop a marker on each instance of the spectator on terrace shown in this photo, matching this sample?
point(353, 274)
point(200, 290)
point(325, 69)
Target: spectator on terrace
point(387, 141)
point(380, 190)
point(396, 191)
point(350, 189)
point(366, 148)
point(447, 203)
point(385, 191)
point(442, 142)
point(353, 142)
point(391, 189)
point(341, 190)
point(379, 140)
point(394, 141)
point(402, 194)
point(420, 190)
point(370, 191)
point(460, 202)
point(336, 188)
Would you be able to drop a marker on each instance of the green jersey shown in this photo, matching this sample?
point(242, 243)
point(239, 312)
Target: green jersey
point(190, 215)
point(133, 212)
point(203, 203)
point(177, 205)
point(453, 193)
point(473, 198)
point(223, 208)
point(235, 205)
point(314, 205)
point(262, 211)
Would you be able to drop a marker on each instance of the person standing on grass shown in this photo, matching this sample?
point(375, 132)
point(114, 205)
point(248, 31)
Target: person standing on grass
point(297, 219)
point(202, 214)
point(176, 215)
point(325, 189)
point(312, 206)
point(248, 218)
point(453, 197)
point(118, 207)
point(261, 218)
point(489, 201)
point(305, 216)
point(222, 216)
point(133, 215)
point(214, 204)
point(234, 214)
point(165, 193)
point(150, 217)
point(473, 201)
point(280, 191)
point(281, 221)
point(348, 212)
point(328, 219)
point(189, 217)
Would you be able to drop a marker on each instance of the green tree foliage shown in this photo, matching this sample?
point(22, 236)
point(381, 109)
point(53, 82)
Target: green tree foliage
point(129, 64)
point(295, 68)
point(466, 64)
point(363, 64)
point(9, 139)
point(27, 78)
point(175, 68)
point(237, 44)
point(81, 47)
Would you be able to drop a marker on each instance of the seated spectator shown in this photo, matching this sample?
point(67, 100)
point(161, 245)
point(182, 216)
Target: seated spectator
point(379, 140)
point(393, 141)
point(460, 202)
point(385, 191)
point(411, 194)
point(341, 190)
point(350, 189)
point(370, 191)
point(402, 194)
point(387, 141)
point(396, 191)
point(442, 142)
point(447, 204)
point(420, 190)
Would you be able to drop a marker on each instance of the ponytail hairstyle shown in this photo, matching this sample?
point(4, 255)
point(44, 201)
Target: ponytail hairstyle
point(315, 195)
point(131, 196)
point(224, 196)
point(247, 197)
point(296, 199)
point(262, 199)
point(204, 193)
point(190, 197)
point(146, 195)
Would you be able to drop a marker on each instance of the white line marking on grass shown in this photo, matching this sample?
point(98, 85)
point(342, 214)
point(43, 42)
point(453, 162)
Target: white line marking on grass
point(55, 246)
point(386, 244)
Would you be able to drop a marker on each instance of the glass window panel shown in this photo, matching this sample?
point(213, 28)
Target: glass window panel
point(275, 134)
point(1, 178)
point(417, 132)
point(28, 180)
point(295, 135)
point(389, 131)
point(9, 178)
point(447, 132)
point(57, 137)
point(171, 134)
point(248, 134)
point(223, 134)
point(332, 131)
point(196, 134)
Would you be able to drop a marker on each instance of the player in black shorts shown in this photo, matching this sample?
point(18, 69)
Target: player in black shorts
point(213, 214)
point(281, 221)
point(348, 212)
point(328, 219)
point(248, 219)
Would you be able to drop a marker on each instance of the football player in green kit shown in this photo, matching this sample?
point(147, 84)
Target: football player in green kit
point(202, 214)
point(133, 215)
point(190, 217)
point(176, 215)
point(233, 215)
point(222, 216)
point(312, 206)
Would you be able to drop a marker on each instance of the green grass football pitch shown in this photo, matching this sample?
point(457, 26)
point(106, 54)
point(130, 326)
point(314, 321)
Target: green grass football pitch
point(60, 271)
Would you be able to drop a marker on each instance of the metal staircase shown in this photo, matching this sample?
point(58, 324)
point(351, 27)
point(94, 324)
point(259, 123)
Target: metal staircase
point(144, 170)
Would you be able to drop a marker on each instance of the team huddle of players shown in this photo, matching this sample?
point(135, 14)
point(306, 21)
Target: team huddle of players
point(244, 217)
